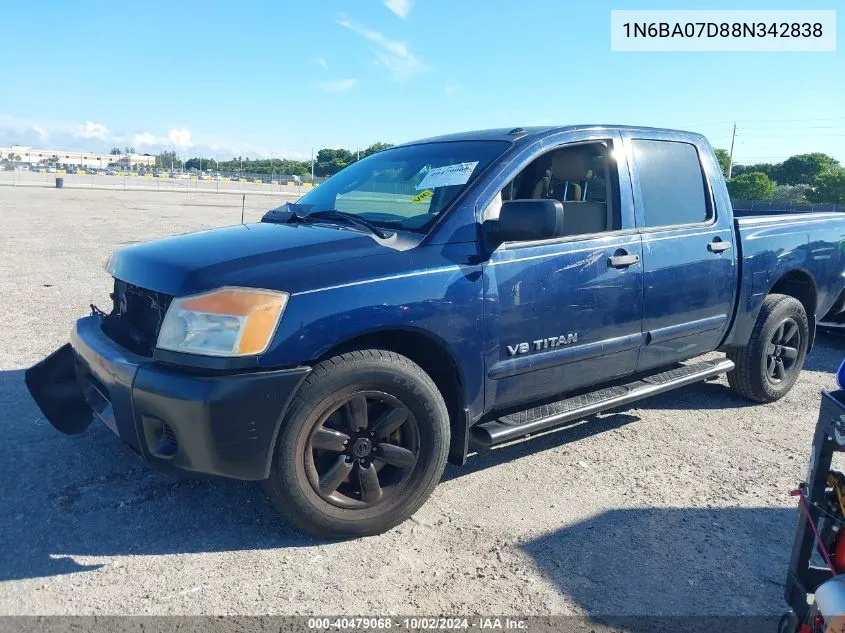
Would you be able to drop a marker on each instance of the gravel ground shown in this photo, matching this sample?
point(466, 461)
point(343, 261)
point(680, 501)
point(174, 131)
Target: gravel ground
point(676, 506)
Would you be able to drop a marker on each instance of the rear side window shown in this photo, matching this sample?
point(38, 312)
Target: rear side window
point(671, 183)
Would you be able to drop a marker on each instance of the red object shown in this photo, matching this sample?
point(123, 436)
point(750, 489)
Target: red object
point(839, 554)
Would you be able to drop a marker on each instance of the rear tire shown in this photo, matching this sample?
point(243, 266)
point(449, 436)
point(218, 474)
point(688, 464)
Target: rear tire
point(362, 446)
point(768, 366)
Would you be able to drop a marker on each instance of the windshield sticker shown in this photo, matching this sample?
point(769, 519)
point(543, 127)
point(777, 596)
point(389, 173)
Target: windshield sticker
point(448, 175)
point(422, 196)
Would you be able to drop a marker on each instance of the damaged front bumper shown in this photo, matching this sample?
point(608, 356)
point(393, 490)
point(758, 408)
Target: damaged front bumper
point(176, 420)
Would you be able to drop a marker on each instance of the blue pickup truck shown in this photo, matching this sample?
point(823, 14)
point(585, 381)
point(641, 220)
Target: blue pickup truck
point(437, 299)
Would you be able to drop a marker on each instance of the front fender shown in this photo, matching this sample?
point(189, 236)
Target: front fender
point(442, 300)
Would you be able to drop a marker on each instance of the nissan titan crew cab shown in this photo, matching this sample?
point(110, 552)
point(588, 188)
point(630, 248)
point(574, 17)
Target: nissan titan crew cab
point(436, 299)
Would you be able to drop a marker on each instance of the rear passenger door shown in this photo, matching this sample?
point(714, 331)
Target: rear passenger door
point(689, 259)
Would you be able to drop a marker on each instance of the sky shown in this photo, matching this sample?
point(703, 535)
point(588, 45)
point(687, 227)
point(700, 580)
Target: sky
point(277, 78)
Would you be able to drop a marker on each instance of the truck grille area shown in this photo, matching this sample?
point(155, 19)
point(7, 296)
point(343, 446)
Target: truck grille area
point(136, 317)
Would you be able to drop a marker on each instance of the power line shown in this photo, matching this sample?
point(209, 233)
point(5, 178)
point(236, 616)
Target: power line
point(791, 135)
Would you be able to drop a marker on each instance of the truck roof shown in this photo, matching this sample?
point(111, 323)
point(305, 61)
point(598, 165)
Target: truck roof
point(513, 134)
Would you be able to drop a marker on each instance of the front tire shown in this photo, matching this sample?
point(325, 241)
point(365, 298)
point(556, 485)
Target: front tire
point(362, 446)
point(768, 366)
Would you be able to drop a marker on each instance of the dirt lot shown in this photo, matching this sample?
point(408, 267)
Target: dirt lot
point(677, 506)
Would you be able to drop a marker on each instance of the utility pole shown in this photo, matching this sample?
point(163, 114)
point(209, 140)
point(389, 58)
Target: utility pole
point(731, 158)
point(312, 165)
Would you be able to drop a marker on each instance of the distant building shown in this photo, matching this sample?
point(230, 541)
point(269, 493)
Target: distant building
point(35, 156)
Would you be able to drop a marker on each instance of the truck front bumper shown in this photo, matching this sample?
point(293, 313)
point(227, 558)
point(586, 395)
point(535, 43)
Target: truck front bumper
point(175, 420)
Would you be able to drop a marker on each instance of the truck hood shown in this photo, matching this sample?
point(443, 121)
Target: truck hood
point(266, 255)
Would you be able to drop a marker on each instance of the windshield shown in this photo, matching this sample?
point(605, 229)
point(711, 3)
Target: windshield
point(404, 188)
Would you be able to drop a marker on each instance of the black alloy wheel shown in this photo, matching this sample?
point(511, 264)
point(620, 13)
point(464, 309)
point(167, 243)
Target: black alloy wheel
point(783, 350)
point(768, 364)
point(362, 450)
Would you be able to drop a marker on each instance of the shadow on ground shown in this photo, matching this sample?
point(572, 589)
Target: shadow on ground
point(645, 561)
point(828, 352)
point(86, 495)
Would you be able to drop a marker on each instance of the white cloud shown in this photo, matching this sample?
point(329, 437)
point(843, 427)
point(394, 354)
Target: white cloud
point(180, 138)
point(322, 63)
point(400, 7)
point(336, 86)
point(145, 138)
point(42, 133)
point(393, 55)
point(174, 138)
point(93, 130)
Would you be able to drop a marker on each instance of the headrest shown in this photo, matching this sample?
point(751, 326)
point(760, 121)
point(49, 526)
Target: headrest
point(573, 166)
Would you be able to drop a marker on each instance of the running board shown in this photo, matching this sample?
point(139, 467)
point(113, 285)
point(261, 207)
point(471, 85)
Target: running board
point(540, 418)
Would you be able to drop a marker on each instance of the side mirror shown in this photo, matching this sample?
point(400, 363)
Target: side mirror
point(528, 220)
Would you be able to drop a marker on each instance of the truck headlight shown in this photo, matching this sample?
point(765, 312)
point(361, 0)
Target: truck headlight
point(224, 322)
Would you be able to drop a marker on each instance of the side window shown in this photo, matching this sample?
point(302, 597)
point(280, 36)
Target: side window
point(671, 183)
point(582, 177)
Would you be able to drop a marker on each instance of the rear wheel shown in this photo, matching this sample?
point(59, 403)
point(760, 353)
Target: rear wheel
point(769, 365)
point(363, 445)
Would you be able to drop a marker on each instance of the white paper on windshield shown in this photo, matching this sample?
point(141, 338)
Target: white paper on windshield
point(448, 175)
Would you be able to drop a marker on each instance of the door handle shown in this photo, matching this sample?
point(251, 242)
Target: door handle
point(718, 246)
point(622, 260)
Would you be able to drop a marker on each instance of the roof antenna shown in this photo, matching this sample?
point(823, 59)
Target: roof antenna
point(243, 203)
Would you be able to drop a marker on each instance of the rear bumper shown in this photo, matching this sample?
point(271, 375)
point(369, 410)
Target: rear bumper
point(176, 421)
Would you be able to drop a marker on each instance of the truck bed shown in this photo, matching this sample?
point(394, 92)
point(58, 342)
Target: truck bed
point(807, 247)
point(755, 208)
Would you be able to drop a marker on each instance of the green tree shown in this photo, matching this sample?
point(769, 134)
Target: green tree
point(753, 186)
point(115, 151)
point(763, 168)
point(724, 160)
point(197, 163)
point(375, 148)
point(828, 186)
point(166, 159)
point(331, 161)
point(802, 168)
point(791, 193)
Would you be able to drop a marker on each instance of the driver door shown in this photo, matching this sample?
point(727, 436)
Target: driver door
point(564, 313)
